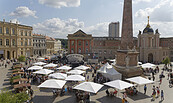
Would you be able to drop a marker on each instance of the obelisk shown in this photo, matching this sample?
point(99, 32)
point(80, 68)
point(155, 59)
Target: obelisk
point(127, 56)
point(127, 26)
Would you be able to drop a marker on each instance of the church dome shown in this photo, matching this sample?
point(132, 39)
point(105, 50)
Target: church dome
point(148, 28)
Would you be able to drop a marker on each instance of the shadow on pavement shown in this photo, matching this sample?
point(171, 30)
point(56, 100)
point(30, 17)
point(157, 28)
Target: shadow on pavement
point(7, 83)
point(107, 99)
point(70, 99)
point(139, 96)
point(43, 99)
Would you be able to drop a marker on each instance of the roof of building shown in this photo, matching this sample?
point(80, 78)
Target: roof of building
point(49, 38)
point(148, 28)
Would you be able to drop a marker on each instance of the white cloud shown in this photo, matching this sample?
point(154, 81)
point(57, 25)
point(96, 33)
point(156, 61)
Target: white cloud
point(165, 28)
point(156, 12)
point(58, 28)
point(60, 3)
point(100, 29)
point(15, 20)
point(23, 11)
point(137, 1)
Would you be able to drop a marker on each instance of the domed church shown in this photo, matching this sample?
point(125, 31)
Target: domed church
point(150, 46)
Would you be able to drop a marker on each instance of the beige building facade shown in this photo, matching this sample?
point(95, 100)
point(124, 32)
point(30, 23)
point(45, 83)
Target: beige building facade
point(150, 47)
point(57, 46)
point(50, 45)
point(15, 40)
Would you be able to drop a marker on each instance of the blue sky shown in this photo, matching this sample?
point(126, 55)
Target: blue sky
point(58, 18)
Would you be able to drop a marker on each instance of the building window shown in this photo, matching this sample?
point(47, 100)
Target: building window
point(105, 52)
point(25, 33)
point(21, 33)
point(86, 43)
point(7, 42)
point(0, 42)
point(7, 30)
point(29, 42)
point(72, 43)
point(25, 43)
point(13, 31)
point(100, 52)
point(30, 33)
point(13, 42)
point(21, 43)
point(0, 30)
point(21, 52)
point(79, 50)
point(86, 50)
point(79, 43)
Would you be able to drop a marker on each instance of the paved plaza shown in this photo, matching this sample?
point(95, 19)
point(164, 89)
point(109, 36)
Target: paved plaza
point(46, 95)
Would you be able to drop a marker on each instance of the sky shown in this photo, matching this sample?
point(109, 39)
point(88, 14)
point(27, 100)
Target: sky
point(58, 18)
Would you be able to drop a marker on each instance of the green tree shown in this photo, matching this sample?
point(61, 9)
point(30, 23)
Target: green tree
point(21, 58)
point(166, 61)
point(9, 97)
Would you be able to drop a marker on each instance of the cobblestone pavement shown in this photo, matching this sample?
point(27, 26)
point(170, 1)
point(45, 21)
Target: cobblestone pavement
point(46, 96)
point(4, 77)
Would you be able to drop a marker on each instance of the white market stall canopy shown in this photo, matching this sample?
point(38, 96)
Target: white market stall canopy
point(64, 67)
point(118, 84)
point(76, 72)
point(148, 65)
point(75, 78)
point(108, 71)
point(40, 58)
point(58, 75)
point(51, 65)
point(44, 71)
point(39, 63)
point(35, 68)
point(140, 80)
point(89, 87)
point(52, 83)
point(82, 67)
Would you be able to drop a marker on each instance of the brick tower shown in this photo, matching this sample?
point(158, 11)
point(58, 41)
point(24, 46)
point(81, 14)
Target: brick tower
point(127, 56)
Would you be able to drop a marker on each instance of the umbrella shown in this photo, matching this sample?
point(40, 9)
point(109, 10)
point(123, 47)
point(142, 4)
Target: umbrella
point(40, 58)
point(75, 78)
point(64, 67)
point(39, 63)
point(35, 68)
point(82, 67)
point(50, 65)
point(148, 65)
point(89, 87)
point(53, 83)
point(140, 80)
point(44, 71)
point(58, 75)
point(118, 84)
point(140, 63)
point(75, 72)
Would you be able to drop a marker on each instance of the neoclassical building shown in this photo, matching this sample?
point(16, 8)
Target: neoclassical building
point(15, 40)
point(150, 46)
point(80, 43)
point(39, 45)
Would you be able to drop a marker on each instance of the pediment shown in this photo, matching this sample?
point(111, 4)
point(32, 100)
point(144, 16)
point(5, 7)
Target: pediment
point(79, 33)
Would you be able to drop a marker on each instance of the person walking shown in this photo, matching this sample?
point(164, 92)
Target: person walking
point(154, 94)
point(158, 91)
point(145, 89)
point(162, 95)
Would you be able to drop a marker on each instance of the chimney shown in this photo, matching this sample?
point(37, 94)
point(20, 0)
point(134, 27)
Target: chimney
point(3, 20)
point(16, 22)
point(10, 21)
